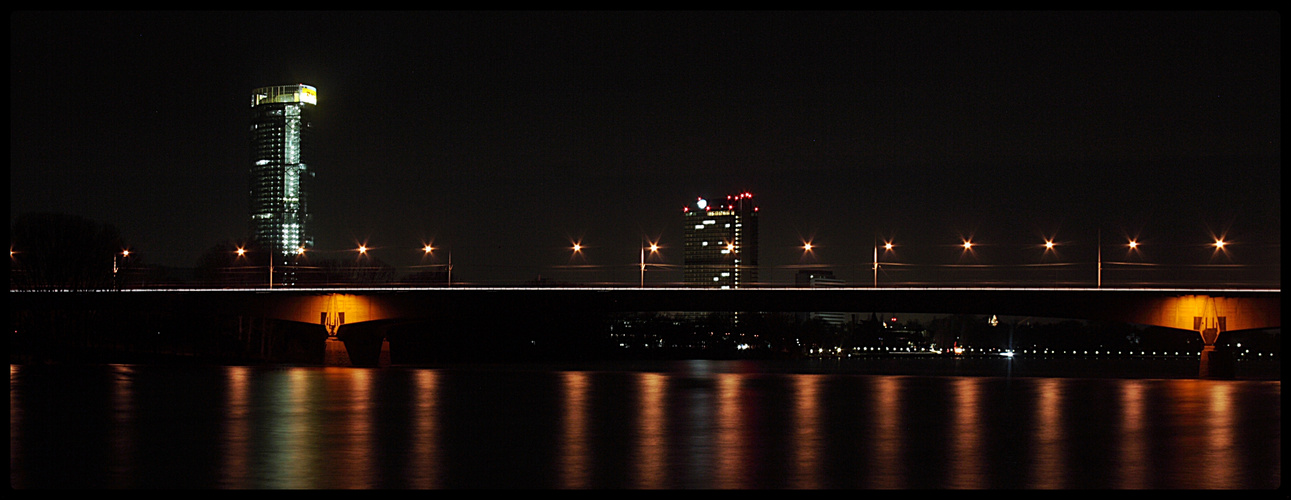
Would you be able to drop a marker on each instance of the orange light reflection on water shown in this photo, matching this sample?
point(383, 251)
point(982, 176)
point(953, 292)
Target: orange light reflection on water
point(808, 440)
point(575, 457)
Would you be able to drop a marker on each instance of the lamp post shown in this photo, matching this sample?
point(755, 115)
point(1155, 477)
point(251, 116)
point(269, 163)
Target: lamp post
point(237, 265)
point(887, 247)
point(429, 249)
point(115, 282)
point(1100, 259)
point(654, 248)
point(1049, 247)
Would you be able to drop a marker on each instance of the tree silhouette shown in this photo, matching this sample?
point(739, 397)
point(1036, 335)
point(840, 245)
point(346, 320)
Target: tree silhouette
point(222, 265)
point(54, 251)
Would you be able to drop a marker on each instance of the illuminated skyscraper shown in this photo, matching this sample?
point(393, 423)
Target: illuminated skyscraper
point(280, 179)
point(721, 243)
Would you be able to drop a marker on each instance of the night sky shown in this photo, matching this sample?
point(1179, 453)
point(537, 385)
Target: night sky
point(505, 136)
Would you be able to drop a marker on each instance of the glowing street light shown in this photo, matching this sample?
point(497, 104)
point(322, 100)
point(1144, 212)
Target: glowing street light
point(430, 249)
point(124, 253)
point(654, 248)
point(887, 247)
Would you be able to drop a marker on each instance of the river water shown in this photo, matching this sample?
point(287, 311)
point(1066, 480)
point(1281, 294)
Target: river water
point(645, 425)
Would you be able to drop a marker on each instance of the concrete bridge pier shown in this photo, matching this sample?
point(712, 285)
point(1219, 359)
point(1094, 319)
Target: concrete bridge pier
point(334, 353)
point(363, 344)
point(337, 354)
point(1215, 363)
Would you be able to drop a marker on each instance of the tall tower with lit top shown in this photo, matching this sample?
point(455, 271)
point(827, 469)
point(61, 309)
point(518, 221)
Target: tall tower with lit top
point(281, 177)
point(721, 248)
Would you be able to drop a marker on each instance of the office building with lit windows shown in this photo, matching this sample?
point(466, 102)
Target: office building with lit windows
point(721, 247)
point(281, 176)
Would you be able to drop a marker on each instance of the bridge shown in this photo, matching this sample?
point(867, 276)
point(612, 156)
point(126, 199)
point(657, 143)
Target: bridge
point(364, 317)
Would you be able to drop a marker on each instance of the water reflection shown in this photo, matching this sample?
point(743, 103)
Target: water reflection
point(237, 428)
point(1133, 458)
point(652, 432)
point(123, 437)
point(967, 457)
point(888, 442)
point(423, 464)
point(1049, 465)
point(575, 457)
point(1219, 446)
point(807, 436)
point(695, 425)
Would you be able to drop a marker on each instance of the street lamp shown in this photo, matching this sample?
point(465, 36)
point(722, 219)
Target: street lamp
point(887, 247)
point(124, 253)
point(807, 248)
point(1049, 246)
point(654, 248)
point(430, 249)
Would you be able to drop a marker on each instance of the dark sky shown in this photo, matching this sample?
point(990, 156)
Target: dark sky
point(505, 136)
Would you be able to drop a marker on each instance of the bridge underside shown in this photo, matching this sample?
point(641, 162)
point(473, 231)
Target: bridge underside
point(364, 318)
point(1184, 311)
